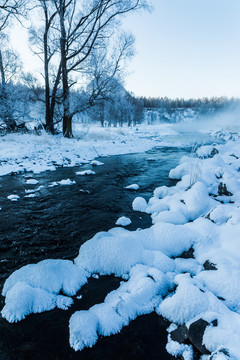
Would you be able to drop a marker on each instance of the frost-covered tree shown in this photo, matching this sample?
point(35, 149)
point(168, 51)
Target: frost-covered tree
point(84, 27)
point(9, 63)
point(44, 45)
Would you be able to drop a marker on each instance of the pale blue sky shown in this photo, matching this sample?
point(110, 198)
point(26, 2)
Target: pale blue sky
point(186, 48)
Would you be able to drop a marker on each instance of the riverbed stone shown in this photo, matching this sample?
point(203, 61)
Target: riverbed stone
point(196, 331)
point(208, 265)
point(180, 334)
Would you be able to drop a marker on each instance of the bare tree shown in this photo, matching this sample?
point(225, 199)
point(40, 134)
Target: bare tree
point(44, 46)
point(8, 9)
point(84, 28)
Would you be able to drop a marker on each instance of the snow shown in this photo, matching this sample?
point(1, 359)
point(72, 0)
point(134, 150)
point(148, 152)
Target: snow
point(30, 196)
point(85, 172)
point(96, 163)
point(139, 204)
point(123, 221)
point(30, 152)
point(35, 288)
point(23, 299)
point(132, 187)
point(13, 197)
point(32, 182)
point(200, 213)
point(62, 182)
point(67, 182)
point(50, 275)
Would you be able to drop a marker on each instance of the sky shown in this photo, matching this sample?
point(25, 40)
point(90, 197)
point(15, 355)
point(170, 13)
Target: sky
point(184, 49)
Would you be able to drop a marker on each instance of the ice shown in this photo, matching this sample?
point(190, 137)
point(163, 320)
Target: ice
point(13, 197)
point(123, 221)
point(132, 187)
point(32, 182)
point(139, 204)
point(85, 172)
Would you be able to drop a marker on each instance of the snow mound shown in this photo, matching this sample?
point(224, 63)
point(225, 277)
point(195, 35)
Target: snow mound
point(66, 182)
point(189, 300)
point(23, 299)
point(139, 204)
point(50, 275)
point(109, 254)
point(32, 182)
point(123, 221)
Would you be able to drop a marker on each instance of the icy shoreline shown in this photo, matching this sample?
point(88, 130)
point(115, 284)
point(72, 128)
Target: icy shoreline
point(30, 152)
point(200, 216)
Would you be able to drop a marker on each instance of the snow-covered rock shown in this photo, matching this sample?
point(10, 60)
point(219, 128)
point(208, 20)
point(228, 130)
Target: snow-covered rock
point(132, 187)
point(123, 221)
point(139, 204)
point(32, 182)
point(85, 172)
point(96, 163)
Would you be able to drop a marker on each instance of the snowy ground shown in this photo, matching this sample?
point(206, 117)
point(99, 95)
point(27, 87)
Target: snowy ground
point(29, 152)
point(199, 216)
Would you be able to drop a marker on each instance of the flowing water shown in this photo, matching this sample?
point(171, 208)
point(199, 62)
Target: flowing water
point(53, 225)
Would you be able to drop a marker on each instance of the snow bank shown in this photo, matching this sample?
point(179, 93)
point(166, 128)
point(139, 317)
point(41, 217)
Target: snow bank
point(28, 152)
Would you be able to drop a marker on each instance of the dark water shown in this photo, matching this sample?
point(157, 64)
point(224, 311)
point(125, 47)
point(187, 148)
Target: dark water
point(53, 225)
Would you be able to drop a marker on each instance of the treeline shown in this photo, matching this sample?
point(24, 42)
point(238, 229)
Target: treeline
point(202, 103)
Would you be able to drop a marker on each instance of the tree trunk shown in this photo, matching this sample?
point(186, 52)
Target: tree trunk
point(3, 81)
point(67, 117)
point(48, 117)
point(102, 113)
point(54, 92)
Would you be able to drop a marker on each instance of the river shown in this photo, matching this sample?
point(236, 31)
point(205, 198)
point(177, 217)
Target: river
point(54, 224)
